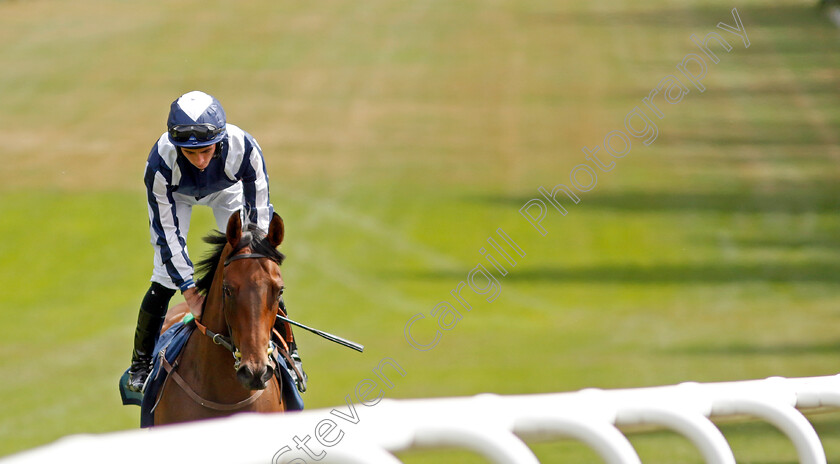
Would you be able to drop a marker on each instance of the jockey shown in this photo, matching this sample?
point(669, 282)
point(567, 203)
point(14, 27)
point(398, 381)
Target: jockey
point(200, 160)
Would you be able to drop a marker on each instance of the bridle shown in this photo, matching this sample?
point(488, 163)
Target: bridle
point(225, 341)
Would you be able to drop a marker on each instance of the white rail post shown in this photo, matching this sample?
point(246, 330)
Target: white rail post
point(487, 424)
point(548, 416)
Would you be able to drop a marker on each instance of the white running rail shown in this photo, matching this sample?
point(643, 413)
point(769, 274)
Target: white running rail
point(490, 425)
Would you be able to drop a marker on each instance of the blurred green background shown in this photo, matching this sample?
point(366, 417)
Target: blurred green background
point(399, 135)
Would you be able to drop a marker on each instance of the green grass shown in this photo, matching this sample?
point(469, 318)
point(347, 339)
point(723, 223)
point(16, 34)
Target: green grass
point(398, 137)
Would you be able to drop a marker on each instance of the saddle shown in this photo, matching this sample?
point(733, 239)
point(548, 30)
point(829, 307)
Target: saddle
point(169, 348)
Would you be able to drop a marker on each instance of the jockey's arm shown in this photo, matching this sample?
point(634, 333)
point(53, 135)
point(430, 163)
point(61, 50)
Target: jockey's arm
point(168, 241)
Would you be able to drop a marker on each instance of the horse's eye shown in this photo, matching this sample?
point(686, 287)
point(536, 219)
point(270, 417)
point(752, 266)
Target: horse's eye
point(227, 291)
point(280, 293)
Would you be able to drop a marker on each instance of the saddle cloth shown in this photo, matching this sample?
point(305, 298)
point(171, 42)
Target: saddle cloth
point(170, 345)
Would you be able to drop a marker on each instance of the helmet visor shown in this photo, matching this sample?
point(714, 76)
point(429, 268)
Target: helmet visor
point(201, 132)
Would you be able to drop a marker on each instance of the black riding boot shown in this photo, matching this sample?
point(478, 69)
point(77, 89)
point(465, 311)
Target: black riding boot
point(281, 327)
point(149, 321)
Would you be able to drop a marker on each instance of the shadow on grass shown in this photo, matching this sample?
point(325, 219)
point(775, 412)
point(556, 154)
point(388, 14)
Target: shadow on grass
point(825, 272)
point(789, 17)
point(818, 196)
point(811, 85)
point(791, 243)
point(742, 349)
point(757, 133)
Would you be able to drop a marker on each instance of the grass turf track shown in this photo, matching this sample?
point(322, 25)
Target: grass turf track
point(398, 137)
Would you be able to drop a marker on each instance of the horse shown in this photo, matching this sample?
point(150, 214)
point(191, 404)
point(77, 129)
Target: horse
point(242, 285)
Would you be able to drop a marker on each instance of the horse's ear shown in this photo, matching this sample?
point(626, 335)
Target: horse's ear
point(276, 231)
point(234, 229)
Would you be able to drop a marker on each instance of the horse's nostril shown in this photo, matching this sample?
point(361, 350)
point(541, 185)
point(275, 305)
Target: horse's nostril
point(244, 373)
point(254, 380)
point(269, 373)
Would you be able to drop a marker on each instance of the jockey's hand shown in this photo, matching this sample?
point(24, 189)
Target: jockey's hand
point(194, 300)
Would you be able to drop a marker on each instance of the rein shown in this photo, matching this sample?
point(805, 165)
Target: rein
point(218, 339)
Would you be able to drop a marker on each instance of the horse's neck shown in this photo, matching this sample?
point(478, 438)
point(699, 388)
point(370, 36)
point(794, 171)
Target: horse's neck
point(210, 355)
point(213, 315)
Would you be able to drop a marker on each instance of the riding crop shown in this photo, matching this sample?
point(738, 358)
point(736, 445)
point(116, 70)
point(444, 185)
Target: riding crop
point(328, 336)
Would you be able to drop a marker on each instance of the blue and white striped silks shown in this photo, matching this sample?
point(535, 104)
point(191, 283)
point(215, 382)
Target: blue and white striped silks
point(236, 178)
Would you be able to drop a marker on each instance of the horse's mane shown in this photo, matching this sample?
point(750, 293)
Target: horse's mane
point(252, 236)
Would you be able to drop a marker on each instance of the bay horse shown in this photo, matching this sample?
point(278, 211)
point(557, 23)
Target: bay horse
point(242, 284)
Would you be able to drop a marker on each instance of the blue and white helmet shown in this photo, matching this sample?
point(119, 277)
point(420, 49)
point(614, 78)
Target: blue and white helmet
point(196, 120)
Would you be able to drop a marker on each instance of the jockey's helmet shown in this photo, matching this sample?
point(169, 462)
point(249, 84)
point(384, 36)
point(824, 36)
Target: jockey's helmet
point(196, 120)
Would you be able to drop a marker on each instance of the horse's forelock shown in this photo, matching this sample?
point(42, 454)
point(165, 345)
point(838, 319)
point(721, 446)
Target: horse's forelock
point(252, 236)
